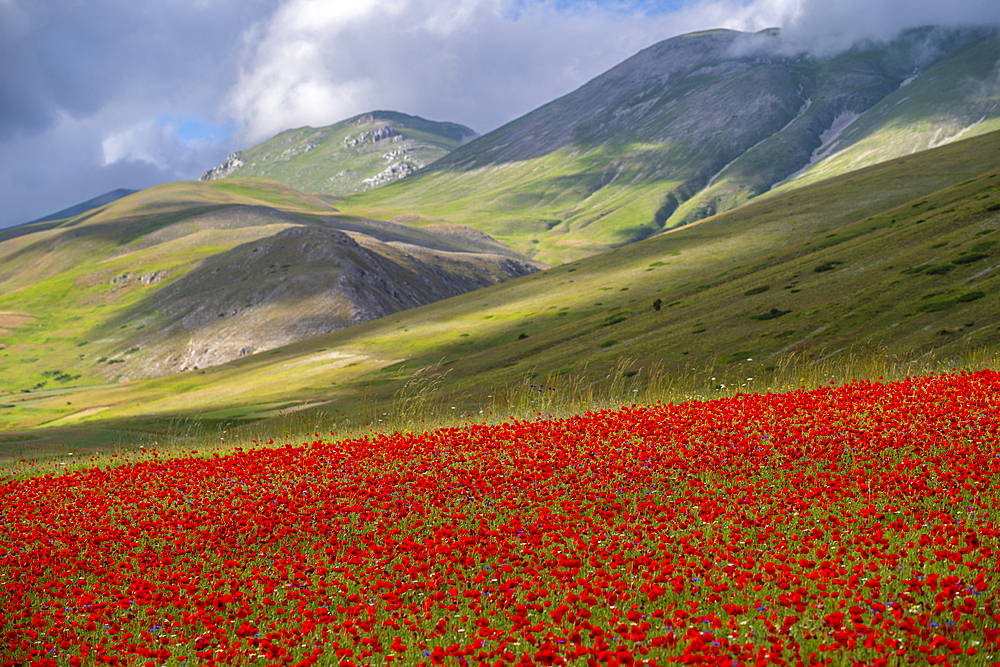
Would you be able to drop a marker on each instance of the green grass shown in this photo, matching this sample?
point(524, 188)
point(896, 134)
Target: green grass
point(424, 400)
point(283, 197)
point(600, 167)
point(68, 278)
point(956, 98)
point(563, 206)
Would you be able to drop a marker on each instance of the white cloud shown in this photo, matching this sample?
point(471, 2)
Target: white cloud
point(160, 145)
point(481, 62)
point(143, 142)
point(485, 62)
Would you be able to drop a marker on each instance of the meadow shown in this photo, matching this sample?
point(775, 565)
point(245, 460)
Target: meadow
point(851, 522)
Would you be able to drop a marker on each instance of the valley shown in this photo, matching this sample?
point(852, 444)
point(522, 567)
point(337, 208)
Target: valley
point(694, 364)
point(900, 257)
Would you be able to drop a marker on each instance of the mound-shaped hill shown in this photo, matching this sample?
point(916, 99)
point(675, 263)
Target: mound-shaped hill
point(699, 124)
point(359, 153)
point(189, 275)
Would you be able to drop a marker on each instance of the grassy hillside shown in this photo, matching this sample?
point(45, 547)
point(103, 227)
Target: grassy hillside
point(941, 99)
point(359, 153)
point(903, 256)
point(957, 98)
point(83, 207)
point(189, 275)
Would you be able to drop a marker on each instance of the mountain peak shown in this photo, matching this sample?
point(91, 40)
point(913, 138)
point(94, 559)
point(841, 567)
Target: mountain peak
point(701, 123)
point(359, 153)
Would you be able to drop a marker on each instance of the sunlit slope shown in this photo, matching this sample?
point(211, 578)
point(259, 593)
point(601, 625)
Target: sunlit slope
point(902, 255)
point(189, 275)
point(360, 153)
point(958, 98)
point(692, 126)
point(941, 100)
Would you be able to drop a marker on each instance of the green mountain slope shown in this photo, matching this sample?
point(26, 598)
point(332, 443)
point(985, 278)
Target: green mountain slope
point(189, 275)
point(359, 153)
point(693, 125)
point(959, 97)
point(904, 255)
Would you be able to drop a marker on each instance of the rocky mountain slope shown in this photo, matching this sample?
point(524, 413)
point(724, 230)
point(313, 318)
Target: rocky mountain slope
point(360, 153)
point(699, 124)
point(188, 275)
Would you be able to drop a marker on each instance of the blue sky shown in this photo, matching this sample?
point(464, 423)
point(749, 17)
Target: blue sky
point(108, 94)
point(188, 130)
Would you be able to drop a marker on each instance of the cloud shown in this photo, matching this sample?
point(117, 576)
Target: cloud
point(827, 27)
point(127, 93)
point(62, 166)
point(161, 143)
point(78, 58)
point(76, 77)
point(485, 62)
point(480, 62)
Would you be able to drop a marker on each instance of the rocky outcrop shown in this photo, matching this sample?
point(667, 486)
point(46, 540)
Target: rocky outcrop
point(123, 280)
point(374, 136)
point(337, 159)
point(393, 172)
point(224, 170)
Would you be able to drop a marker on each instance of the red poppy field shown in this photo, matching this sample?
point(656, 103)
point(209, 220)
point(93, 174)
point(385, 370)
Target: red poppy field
point(846, 525)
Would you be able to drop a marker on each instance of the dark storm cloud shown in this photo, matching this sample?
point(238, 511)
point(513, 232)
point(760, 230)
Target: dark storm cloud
point(65, 56)
point(74, 74)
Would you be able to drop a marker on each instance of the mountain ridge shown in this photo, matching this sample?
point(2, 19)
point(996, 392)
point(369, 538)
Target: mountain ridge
point(691, 126)
point(899, 259)
point(82, 207)
point(260, 286)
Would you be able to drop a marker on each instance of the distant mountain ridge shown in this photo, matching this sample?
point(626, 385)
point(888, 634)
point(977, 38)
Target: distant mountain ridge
point(699, 124)
point(83, 207)
point(360, 153)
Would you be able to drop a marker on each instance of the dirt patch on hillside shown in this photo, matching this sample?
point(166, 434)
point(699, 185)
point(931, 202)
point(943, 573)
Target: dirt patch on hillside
point(11, 319)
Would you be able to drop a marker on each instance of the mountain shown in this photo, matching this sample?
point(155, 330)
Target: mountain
point(187, 275)
point(699, 124)
point(957, 96)
point(900, 257)
point(83, 207)
point(360, 153)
